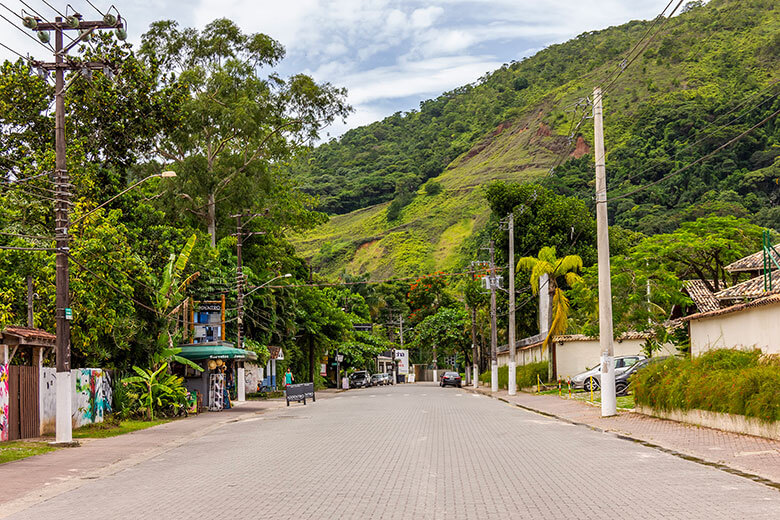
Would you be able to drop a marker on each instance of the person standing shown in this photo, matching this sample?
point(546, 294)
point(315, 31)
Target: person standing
point(288, 378)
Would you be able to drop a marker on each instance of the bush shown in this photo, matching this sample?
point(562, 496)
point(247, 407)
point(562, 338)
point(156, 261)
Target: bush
point(432, 188)
point(740, 382)
point(525, 376)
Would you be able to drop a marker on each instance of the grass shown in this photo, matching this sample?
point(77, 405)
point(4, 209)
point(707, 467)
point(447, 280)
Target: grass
point(625, 401)
point(16, 450)
point(111, 428)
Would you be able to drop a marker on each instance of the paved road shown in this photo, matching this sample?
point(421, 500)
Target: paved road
point(412, 451)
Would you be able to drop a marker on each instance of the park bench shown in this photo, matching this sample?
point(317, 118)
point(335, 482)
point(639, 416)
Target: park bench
point(299, 392)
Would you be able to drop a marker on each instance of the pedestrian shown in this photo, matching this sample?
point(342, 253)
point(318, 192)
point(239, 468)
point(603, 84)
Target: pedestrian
point(288, 378)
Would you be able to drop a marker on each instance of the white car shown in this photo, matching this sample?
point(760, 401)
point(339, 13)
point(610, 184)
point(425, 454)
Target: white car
point(583, 379)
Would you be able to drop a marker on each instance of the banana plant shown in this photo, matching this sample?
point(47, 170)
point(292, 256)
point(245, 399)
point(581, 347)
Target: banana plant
point(151, 390)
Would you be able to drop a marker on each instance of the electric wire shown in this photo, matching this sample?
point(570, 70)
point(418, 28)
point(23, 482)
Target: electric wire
point(26, 179)
point(95, 8)
point(697, 161)
point(13, 51)
point(46, 46)
point(32, 237)
point(31, 194)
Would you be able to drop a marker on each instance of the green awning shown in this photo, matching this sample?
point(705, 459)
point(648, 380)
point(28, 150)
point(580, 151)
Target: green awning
point(200, 351)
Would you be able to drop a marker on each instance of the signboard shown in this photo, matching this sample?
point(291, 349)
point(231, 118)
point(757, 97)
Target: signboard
point(68, 313)
point(323, 369)
point(402, 356)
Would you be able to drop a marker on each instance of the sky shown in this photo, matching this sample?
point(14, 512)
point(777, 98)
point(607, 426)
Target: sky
point(390, 55)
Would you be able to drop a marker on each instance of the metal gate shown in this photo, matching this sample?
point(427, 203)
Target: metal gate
point(23, 414)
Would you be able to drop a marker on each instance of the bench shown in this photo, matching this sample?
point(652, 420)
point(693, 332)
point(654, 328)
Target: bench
point(299, 392)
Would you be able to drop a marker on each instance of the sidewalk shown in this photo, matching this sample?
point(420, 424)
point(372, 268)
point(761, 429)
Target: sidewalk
point(732, 452)
point(36, 478)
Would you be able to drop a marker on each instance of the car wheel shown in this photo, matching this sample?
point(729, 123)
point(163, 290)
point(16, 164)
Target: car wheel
point(621, 389)
point(586, 385)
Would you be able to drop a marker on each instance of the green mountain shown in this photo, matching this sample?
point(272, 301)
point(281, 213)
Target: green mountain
point(405, 192)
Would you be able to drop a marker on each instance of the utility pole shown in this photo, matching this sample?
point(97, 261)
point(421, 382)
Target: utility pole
point(493, 330)
point(239, 281)
point(474, 363)
point(62, 191)
point(608, 398)
point(512, 346)
point(30, 301)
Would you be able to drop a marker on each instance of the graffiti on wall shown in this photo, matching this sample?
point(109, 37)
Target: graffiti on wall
point(253, 376)
point(216, 392)
point(91, 395)
point(3, 402)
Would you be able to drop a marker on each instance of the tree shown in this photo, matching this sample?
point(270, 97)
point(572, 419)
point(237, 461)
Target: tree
point(701, 249)
point(443, 333)
point(558, 271)
point(238, 127)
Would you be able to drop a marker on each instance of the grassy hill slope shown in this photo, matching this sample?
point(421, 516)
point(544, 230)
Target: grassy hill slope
point(689, 76)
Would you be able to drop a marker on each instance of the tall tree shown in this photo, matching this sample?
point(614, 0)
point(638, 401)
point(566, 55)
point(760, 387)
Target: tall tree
point(238, 127)
point(558, 271)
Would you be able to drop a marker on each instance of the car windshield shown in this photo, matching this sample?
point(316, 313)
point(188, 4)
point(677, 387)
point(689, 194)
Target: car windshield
point(450, 374)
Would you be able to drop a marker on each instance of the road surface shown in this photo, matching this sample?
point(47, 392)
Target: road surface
point(412, 451)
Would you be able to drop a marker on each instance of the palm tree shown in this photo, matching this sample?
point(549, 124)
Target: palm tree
point(557, 270)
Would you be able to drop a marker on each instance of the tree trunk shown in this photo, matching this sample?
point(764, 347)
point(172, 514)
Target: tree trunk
point(212, 219)
point(311, 360)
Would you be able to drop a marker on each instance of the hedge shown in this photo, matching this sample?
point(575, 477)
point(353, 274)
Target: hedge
point(526, 375)
point(740, 382)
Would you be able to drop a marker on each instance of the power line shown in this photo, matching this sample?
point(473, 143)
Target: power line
point(688, 144)
point(32, 237)
point(697, 161)
point(36, 40)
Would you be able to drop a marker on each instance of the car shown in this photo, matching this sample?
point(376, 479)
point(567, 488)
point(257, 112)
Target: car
point(377, 379)
point(359, 379)
point(450, 378)
point(389, 379)
point(583, 380)
point(623, 380)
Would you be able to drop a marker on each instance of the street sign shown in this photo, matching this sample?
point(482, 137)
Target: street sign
point(68, 313)
point(340, 358)
point(402, 356)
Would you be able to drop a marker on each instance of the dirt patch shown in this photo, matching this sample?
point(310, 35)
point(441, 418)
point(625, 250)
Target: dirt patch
point(544, 130)
point(581, 148)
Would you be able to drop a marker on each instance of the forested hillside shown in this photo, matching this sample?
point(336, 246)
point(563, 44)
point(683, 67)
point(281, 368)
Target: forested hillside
point(697, 81)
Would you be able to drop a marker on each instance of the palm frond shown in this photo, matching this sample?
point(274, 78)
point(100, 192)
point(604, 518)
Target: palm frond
point(569, 263)
point(526, 263)
point(548, 254)
point(540, 268)
point(573, 278)
point(560, 316)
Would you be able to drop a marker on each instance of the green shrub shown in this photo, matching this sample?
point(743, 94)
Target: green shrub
point(525, 375)
point(740, 382)
point(432, 188)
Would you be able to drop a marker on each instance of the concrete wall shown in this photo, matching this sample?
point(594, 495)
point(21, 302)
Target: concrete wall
point(577, 356)
point(91, 397)
point(253, 375)
point(3, 401)
point(750, 327)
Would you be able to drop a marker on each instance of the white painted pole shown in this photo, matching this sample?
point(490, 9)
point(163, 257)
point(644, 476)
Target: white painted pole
point(512, 368)
point(608, 398)
point(241, 384)
point(64, 399)
point(493, 325)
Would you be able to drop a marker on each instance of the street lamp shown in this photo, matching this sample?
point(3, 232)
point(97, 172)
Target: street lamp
point(166, 175)
point(288, 275)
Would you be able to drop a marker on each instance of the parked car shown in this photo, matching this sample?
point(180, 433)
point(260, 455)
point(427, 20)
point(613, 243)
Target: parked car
point(582, 381)
point(388, 379)
point(377, 379)
point(623, 380)
point(450, 378)
point(360, 379)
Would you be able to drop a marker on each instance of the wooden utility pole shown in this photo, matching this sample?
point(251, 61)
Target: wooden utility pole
point(239, 281)
point(30, 302)
point(62, 312)
point(493, 328)
point(608, 398)
point(512, 374)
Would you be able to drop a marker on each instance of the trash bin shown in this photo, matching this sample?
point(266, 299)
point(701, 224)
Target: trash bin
point(402, 378)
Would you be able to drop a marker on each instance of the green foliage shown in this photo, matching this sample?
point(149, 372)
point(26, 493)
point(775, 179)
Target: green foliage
point(155, 391)
point(725, 381)
point(432, 188)
point(444, 333)
point(526, 375)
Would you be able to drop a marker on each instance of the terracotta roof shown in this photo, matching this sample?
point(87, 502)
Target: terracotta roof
point(753, 288)
point(29, 334)
point(703, 298)
point(754, 262)
point(773, 298)
point(582, 337)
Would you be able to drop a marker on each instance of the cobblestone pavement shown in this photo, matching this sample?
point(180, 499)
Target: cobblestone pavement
point(746, 453)
point(411, 451)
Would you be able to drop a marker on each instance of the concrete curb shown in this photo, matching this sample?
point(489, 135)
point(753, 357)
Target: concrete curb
point(626, 437)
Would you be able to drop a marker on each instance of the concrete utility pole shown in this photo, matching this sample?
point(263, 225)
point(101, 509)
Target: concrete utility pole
point(608, 398)
point(63, 313)
point(474, 363)
point(512, 346)
point(493, 329)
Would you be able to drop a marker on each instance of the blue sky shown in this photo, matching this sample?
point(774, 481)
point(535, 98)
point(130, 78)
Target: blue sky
point(389, 54)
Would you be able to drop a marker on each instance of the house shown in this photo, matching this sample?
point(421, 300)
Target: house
point(748, 313)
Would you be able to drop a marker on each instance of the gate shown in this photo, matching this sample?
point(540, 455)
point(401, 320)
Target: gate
point(23, 414)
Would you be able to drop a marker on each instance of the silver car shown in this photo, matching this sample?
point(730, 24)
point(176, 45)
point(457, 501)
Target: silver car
point(583, 380)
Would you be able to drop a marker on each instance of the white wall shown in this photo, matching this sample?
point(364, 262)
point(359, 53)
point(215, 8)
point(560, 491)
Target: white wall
point(523, 356)
point(751, 327)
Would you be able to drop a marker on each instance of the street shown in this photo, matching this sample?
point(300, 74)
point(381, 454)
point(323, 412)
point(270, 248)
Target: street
point(411, 451)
